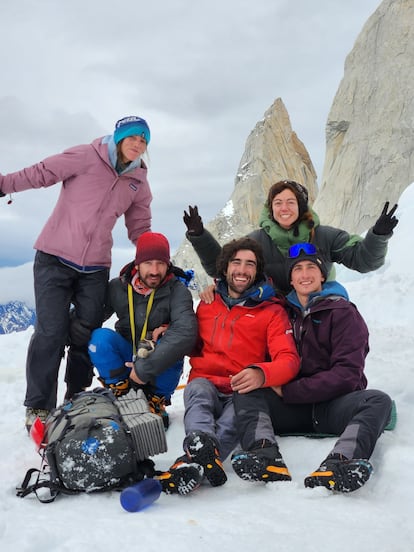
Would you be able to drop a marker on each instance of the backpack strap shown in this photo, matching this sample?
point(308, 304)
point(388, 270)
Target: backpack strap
point(27, 488)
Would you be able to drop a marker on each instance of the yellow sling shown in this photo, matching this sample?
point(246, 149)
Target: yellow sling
point(132, 318)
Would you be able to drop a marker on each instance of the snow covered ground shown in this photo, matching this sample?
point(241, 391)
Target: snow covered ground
point(241, 516)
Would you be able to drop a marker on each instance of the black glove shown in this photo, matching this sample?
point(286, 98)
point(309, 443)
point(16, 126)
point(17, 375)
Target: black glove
point(1, 194)
point(193, 221)
point(386, 222)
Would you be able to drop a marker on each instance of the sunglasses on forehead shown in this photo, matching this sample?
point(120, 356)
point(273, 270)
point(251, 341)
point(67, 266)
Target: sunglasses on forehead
point(295, 250)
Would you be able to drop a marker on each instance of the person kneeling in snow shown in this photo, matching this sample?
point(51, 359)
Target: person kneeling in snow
point(329, 394)
point(156, 326)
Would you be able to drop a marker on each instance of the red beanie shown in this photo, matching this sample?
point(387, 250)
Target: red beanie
point(152, 246)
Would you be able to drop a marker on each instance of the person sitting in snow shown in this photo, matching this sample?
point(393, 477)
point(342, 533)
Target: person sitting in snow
point(156, 326)
point(245, 340)
point(328, 395)
point(287, 219)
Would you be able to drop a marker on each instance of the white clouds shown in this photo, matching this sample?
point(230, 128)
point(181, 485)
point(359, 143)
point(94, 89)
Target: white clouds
point(202, 74)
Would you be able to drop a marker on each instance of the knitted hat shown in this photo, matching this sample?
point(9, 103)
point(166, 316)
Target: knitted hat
point(152, 246)
point(131, 126)
point(305, 252)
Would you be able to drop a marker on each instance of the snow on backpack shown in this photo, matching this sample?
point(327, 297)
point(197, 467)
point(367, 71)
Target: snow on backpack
point(95, 442)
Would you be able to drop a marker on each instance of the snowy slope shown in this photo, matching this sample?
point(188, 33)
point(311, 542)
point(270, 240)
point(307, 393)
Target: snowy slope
point(240, 516)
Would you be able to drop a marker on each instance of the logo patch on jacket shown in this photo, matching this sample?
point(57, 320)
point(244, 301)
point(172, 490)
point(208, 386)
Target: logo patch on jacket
point(133, 187)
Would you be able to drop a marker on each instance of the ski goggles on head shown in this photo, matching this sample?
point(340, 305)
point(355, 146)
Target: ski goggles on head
point(307, 248)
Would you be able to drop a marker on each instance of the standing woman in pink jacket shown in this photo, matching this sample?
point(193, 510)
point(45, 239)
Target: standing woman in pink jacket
point(100, 182)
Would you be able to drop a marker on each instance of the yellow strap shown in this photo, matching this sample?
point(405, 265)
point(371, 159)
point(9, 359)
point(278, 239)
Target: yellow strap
point(149, 306)
point(132, 319)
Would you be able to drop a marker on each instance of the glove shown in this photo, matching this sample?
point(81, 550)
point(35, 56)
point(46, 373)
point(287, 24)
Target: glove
point(1, 194)
point(193, 221)
point(386, 222)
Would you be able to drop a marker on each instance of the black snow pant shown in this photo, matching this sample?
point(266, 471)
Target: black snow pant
point(57, 287)
point(358, 418)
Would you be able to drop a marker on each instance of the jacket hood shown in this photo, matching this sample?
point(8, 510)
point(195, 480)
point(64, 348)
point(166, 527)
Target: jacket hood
point(281, 237)
point(112, 153)
point(128, 271)
point(257, 293)
point(330, 289)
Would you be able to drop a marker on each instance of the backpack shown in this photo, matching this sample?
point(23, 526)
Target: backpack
point(96, 442)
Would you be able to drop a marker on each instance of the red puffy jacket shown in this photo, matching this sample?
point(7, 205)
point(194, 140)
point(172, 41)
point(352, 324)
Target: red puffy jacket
point(233, 339)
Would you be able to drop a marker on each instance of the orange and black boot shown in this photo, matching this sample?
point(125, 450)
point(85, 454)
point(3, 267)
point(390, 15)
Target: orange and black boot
point(337, 473)
point(263, 462)
point(182, 478)
point(202, 449)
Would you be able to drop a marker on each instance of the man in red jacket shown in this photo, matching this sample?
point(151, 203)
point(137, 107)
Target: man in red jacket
point(245, 343)
point(328, 395)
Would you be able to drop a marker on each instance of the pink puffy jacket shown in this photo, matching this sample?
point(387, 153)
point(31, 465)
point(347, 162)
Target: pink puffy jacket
point(92, 198)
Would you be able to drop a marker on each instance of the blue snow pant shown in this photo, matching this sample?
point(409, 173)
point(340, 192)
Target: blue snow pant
point(210, 411)
point(109, 351)
point(358, 418)
point(57, 287)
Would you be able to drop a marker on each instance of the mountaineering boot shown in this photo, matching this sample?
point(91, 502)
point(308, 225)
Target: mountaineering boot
point(32, 414)
point(182, 477)
point(202, 449)
point(157, 406)
point(337, 473)
point(262, 463)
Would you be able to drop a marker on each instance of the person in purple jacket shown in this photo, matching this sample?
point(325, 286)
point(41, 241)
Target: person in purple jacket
point(100, 182)
point(329, 394)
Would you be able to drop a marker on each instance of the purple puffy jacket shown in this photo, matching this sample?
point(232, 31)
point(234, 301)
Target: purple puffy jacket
point(332, 339)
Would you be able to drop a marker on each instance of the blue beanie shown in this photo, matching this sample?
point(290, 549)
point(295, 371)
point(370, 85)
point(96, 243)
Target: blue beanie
point(131, 126)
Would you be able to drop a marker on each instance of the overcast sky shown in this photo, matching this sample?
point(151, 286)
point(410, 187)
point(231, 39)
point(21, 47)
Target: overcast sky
point(201, 73)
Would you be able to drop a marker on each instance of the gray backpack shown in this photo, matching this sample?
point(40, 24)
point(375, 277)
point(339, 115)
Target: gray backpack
point(97, 442)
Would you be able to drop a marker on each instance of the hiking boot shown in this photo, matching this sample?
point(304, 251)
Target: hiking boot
point(182, 478)
point(262, 463)
point(202, 449)
point(32, 414)
point(337, 473)
point(157, 406)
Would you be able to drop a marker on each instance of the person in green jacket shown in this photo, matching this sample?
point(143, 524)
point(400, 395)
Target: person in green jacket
point(287, 219)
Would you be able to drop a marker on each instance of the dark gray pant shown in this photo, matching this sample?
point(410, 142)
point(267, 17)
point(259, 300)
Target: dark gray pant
point(208, 410)
point(358, 418)
point(57, 286)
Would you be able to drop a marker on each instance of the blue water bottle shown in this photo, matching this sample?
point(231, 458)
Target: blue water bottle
point(140, 495)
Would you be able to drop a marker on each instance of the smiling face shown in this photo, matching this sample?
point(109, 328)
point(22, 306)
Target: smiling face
point(152, 273)
point(306, 278)
point(241, 272)
point(132, 147)
point(285, 208)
